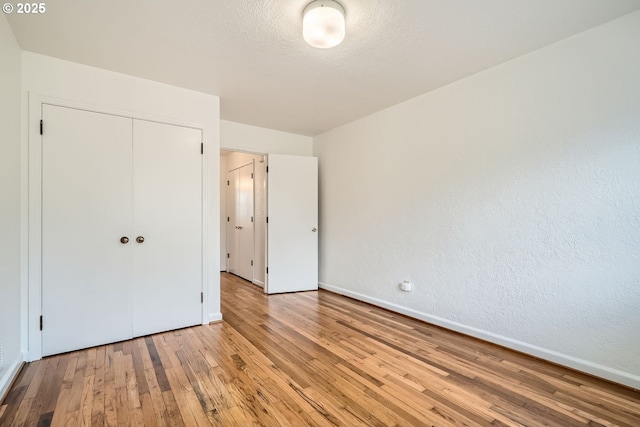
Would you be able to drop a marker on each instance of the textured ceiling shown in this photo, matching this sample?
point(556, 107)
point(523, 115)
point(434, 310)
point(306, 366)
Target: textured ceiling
point(251, 52)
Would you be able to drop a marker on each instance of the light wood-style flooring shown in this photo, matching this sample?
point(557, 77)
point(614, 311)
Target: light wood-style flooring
point(312, 358)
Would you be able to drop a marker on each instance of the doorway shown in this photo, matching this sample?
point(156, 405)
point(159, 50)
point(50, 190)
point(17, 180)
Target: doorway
point(284, 222)
point(243, 207)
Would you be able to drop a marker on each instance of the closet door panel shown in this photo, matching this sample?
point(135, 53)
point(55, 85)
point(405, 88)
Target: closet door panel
point(167, 211)
point(240, 225)
point(244, 212)
point(233, 237)
point(86, 209)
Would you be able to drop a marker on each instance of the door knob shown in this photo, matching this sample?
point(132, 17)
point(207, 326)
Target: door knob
point(124, 240)
point(139, 239)
point(239, 227)
point(314, 229)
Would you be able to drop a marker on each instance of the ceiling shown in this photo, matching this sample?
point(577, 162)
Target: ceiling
point(251, 52)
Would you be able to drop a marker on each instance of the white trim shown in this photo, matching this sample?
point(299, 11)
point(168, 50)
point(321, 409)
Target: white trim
point(206, 191)
point(34, 231)
point(592, 368)
point(34, 208)
point(258, 283)
point(10, 374)
point(215, 317)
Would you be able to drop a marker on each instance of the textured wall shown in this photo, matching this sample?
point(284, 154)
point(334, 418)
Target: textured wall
point(9, 204)
point(511, 199)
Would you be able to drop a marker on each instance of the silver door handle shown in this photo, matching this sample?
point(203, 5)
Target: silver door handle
point(314, 229)
point(124, 240)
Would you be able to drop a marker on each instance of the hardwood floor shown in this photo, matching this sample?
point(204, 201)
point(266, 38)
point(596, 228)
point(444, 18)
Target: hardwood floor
point(311, 358)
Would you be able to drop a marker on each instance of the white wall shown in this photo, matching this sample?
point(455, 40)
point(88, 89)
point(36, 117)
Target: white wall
point(252, 139)
point(223, 213)
point(10, 319)
point(511, 199)
point(104, 89)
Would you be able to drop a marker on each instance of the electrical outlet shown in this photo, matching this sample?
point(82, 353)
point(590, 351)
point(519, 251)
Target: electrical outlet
point(405, 286)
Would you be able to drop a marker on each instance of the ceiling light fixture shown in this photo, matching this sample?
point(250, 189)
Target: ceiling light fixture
point(323, 23)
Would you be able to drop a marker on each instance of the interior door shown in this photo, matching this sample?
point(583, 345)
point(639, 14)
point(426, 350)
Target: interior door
point(86, 210)
point(167, 212)
point(292, 211)
point(241, 234)
point(233, 238)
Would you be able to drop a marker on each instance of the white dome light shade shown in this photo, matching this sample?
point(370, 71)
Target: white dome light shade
point(323, 23)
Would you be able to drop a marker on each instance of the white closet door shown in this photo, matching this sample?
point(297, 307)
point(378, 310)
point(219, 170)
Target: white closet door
point(240, 225)
point(245, 221)
point(233, 237)
point(292, 209)
point(167, 211)
point(86, 209)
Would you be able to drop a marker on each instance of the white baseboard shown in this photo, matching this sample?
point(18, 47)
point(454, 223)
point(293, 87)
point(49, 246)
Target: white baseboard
point(592, 368)
point(258, 283)
point(215, 317)
point(9, 375)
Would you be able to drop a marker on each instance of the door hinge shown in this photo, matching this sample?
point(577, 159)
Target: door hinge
point(267, 220)
point(227, 219)
point(41, 322)
point(202, 148)
point(267, 270)
point(251, 219)
point(252, 263)
point(41, 127)
point(227, 182)
point(267, 169)
point(252, 176)
point(227, 255)
point(201, 297)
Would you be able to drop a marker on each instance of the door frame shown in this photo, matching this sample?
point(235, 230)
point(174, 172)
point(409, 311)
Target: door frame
point(33, 234)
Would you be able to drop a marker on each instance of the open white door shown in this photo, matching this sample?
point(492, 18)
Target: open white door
point(292, 212)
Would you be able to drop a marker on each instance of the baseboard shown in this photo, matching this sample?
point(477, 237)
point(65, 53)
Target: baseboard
point(215, 317)
point(9, 376)
point(258, 283)
point(586, 366)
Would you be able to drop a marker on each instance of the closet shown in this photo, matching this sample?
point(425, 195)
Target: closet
point(121, 228)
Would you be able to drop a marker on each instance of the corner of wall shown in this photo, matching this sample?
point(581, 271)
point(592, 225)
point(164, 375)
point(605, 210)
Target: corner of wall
point(11, 214)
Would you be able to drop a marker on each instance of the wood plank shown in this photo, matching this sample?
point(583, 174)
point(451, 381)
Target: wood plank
point(312, 358)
